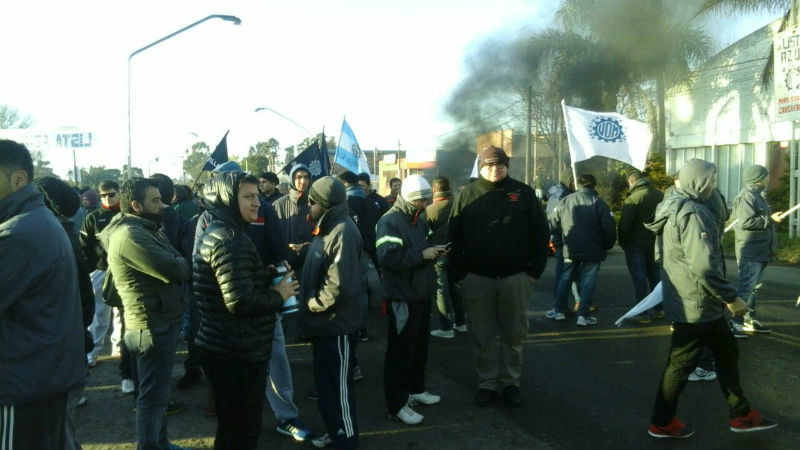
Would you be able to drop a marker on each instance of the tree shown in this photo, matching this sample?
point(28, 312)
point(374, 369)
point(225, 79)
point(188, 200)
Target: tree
point(10, 118)
point(260, 156)
point(41, 168)
point(96, 175)
point(136, 171)
point(196, 157)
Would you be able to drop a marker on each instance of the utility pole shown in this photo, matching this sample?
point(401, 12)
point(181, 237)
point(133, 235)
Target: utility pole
point(528, 143)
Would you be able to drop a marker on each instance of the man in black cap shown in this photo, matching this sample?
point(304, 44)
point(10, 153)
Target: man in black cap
point(331, 311)
point(499, 235)
point(268, 186)
point(755, 244)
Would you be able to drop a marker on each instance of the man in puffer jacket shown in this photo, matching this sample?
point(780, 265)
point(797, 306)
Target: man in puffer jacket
point(237, 309)
point(695, 295)
point(406, 261)
point(331, 309)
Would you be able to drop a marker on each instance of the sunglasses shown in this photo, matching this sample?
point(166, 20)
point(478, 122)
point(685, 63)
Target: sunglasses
point(109, 194)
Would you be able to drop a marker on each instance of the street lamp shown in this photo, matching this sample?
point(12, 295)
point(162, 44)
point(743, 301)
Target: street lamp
point(234, 19)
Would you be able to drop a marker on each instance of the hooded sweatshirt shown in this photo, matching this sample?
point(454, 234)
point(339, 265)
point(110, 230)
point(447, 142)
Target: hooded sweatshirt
point(755, 232)
point(292, 211)
point(231, 285)
point(695, 288)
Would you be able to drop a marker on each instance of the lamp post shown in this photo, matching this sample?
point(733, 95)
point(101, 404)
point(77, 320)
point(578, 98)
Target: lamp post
point(234, 19)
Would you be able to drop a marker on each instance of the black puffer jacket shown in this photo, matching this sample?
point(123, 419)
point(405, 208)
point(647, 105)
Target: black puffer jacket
point(237, 307)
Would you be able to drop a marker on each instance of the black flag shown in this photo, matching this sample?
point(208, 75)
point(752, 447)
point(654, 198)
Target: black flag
point(315, 158)
point(220, 154)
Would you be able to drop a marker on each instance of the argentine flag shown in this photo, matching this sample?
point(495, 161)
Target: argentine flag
point(606, 134)
point(348, 153)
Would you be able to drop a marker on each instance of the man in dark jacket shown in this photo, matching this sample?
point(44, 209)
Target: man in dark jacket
point(92, 225)
point(372, 195)
point(237, 309)
point(406, 260)
point(395, 184)
point(586, 227)
point(40, 292)
point(331, 310)
point(148, 273)
point(268, 187)
point(695, 295)
point(292, 213)
point(639, 242)
point(499, 235)
point(755, 243)
point(448, 295)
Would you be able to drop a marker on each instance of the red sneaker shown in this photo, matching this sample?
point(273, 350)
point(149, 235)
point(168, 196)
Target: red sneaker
point(751, 422)
point(675, 430)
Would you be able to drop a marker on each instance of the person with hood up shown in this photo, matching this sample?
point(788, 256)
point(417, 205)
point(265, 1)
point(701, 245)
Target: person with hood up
point(63, 201)
point(406, 260)
point(755, 243)
point(292, 210)
point(237, 309)
point(696, 294)
point(331, 310)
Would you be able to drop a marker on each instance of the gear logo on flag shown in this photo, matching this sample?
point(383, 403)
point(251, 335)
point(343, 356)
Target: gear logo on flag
point(606, 129)
point(316, 168)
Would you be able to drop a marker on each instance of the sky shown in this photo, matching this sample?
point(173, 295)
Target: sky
point(386, 66)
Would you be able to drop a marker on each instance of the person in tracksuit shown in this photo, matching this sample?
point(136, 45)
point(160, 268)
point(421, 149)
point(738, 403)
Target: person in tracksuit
point(331, 295)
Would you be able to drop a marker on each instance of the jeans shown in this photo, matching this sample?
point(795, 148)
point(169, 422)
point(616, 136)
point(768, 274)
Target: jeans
point(448, 297)
point(751, 273)
point(280, 390)
point(585, 274)
point(559, 268)
point(687, 341)
point(153, 353)
point(644, 271)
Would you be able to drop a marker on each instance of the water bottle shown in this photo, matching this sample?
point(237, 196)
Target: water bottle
point(290, 304)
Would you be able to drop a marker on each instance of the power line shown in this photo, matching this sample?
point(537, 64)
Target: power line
point(479, 120)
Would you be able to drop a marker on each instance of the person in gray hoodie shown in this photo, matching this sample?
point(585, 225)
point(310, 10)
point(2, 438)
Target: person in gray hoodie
point(42, 341)
point(755, 243)
point(696, 294)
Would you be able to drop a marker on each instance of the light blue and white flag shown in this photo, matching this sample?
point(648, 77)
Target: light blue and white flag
point(606, 134)
point(348, 153)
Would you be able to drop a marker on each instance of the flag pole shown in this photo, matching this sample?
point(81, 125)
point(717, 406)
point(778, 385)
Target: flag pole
point(338, 144)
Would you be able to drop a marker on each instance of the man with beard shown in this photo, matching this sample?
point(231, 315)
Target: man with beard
point(148, 273)
point(331, 310)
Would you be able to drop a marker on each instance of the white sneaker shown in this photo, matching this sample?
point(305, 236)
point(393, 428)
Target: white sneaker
point(701, 374)
point(586, 320)
point(323, 441)
point(408, 416)
point(461, 328)
point(555, 315)
point(426, 398)
point(127, 386)
point(447, 334)
point(91, 361)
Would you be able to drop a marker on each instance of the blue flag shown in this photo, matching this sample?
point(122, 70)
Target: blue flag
point(220, 154)
point(348, 153)
point(315, 157)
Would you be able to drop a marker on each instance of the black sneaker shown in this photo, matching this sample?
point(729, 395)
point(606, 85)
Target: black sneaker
point(362, 335)
point(511, 395)
point(188, 379)
point(311, 395)
point(484, 397)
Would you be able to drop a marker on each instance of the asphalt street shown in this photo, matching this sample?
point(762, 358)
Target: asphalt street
point(582, 387)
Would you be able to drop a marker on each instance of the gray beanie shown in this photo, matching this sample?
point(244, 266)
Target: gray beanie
point(754, 174)
point(328, 192)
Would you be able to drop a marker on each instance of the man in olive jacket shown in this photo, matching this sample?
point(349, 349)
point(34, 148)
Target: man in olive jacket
point(148, 273)
point(331, 298)
point(639, 242)
point(755, 243)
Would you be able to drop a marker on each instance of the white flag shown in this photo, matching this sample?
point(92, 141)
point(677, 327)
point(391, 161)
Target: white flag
point(609, 134)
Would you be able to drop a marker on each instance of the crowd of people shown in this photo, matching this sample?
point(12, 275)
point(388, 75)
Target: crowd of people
point(244, 268)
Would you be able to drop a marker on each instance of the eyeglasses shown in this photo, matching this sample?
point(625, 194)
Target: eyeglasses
point(109, 194)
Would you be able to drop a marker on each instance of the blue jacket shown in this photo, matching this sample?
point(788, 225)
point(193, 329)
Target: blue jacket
point(41, 335)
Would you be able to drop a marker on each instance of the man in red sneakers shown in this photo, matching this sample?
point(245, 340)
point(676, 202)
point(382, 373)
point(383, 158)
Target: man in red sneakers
point(696, 294)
